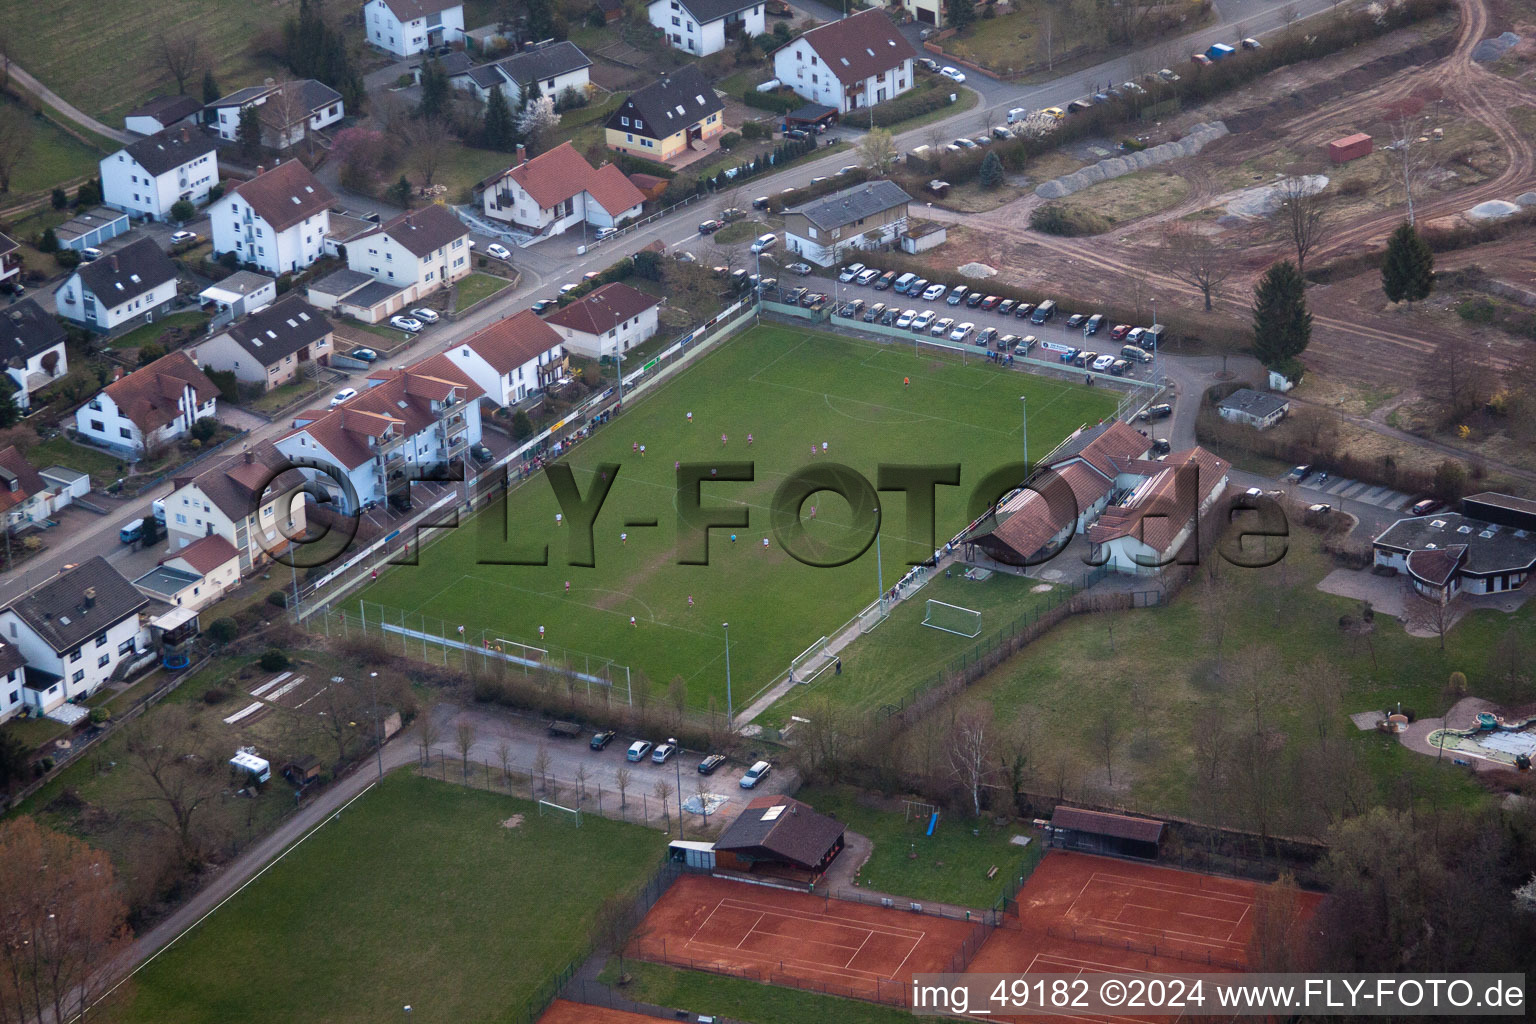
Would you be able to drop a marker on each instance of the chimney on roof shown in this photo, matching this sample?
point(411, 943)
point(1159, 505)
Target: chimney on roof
point(117, 374)
point(522, 155)
point(250, 456)
point(260, 170)
point(184, 136)
point(90, 597)
point(114, 263)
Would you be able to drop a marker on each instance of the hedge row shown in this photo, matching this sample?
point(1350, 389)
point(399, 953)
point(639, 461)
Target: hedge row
point(903, 107)
point(780, 102)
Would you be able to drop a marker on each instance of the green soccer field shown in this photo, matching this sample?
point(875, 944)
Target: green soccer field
point(791, 389)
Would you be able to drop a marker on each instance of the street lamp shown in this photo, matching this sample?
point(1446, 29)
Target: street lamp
point(730, 714)
point(1157, 343)
point(677, 764)
point(879, 568)
point(1024, 418)
point(378, 727)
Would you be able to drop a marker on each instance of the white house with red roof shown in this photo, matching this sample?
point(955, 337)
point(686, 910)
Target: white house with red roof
point(512, 358)
point(418, 423)
point(277, 221)
point(405, 27)
point(848, 64)
point(250, 499)
point(151, 406)
point(1159, 511)
point(607, 321)
point(558, 190)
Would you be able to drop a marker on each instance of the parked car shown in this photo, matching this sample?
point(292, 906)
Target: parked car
point(1161, 411)
point(481, 454)
point(953, 74)
point(1077, 106)
point(568, 287)
point(663, 752)
point(1076, 320)
point(344, 395)
point(367, 355)
point(957, 295)
point(1161, 446)
point(867, 277)
point(761, 203)
point(499, 251)
point(1201, 60)
point(405, 323)
point(1023, 309)
point(1021, 346)
point(799, 268)
point(638, 750)
point(426, 316)
point(757, 773)
point(1425, 507)
point(543, 304)
point(1120, 367)
point(89, 253)
point(1299, 473)
point(904, 321)
point(604, 233)
point(1104, 362)
point(1132, 89)
point(942, 327)
point(179, 237)
point(1094, 323)
point(1100, 97)
point(874, 312)
point(1005, 308)
point(1000, 132)
point(1119, 331)
point(922, 320)
point(850, 272)
point(934, 292)
point(1320, 508)
point(732, 213)
point(765, 242)
point(848, 168)
point(1083, 358)
point(962, 331)
point(709, 227)
point(710, 763)
point(885, 280)
point(794, 295)
point(1167, 75)
point(917, 287)
point(986, 336)
point(889, 316)
point(603, 738)
point(1252, 44)
point(974, 299)
point(853, 308)
point(965, 143)
point(1055, 112)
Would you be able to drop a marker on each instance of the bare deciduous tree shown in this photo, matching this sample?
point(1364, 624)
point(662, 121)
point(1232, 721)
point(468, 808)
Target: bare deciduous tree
point(504, 755)
point(285, 117)
point(1430, 615)
point(621, 779)
point(464, 739)
point(582, 775)
point(63, 925)
point(1458, 375)
point(1411, 157)
point(1105, 734)
point(1304, 211)
point(428, 139)
point(663, 792)
point(878, 151)
point(428, 731)
point(541, 761)
point(1276, 941)
point(1197, 259)
point(181, 771)
point(970, 755)
point(179, 49)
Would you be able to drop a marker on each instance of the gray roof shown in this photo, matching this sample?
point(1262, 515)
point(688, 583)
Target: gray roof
point(486, 76)
point(1104, 823)
point(705, 11)
point(78, 603)
point(669, 104)
point(169, 149)
point(373, 293)
point(26, 329)
point(783, 828)
point(241, 282)
point(341, 283)
point(10, 659)
point(240, 97)
point(132, 270)
point(852, 204)
point(168, 109)
point(165, 581)
point(455, 62)
point(317, 94)
point(91, 220)
point(1255, 403)
point(280, 330)
point(1490, 548)
point(545, 62)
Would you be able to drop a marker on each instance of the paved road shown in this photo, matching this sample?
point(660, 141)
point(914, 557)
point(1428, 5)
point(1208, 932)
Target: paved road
point(29, 84)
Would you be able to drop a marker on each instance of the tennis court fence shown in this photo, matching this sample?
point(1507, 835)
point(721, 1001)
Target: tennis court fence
point(1170, 950)
point(874, 899)
point(1007, 907)
point(890, 991)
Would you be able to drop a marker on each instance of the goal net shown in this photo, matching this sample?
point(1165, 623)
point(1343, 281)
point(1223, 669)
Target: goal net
point(571, 814)
point(811, 662)
point(873, 615)
point(520, 650)
point(952, 618)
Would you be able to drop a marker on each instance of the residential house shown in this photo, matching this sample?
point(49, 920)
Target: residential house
point(356, 294)
point(511, 359)
point(241, 293)
point(10, 263)
point(133, 284)
point(195, 576)
point(608, 320)
point(864, 216)
point(407, 27)
point(418, 423)
point(147, 177)
point(672, 115)
point(152, 406)
point(552, 68)
point(288, 112)
point(702, 27)
point(558, 190)
point(75, 631)
point(1488, 547)
point(32, 349)
point(928, 12)
point(1257, 409)
point(276, 222)
point(849, 64)
point(164, 112)
point(1159, 513)
point(268, 348)
point(418, 252)
point(253, 499)
point(13, 676)
point(24, 494)
point(92, 228)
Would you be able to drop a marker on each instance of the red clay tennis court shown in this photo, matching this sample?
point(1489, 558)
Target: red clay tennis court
point(796, 939)
point(563, 1011)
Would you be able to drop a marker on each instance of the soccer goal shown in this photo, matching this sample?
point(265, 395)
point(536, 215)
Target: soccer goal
point(521, 650)
point(558, 811)
point(811, 662)
point(872, 616)
point(952, 618)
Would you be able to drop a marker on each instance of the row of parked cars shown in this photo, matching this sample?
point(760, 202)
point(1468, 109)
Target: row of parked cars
point(660, 753)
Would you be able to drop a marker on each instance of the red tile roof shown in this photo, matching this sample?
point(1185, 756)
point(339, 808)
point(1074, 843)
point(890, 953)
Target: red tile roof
point(28, 480)
point(857, 47)
point(553, 177)
point(206, 554)
point(285, 195)
point(151, 395)
point(1120, 826)
point(510, 343)
point(1119, 442)
point(603, 309)
point(1436, 566)
point(1163, 505)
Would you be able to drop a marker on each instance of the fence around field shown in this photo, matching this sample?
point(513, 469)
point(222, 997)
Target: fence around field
point(1006, 910)
point(889, 991)
point(1145, 948)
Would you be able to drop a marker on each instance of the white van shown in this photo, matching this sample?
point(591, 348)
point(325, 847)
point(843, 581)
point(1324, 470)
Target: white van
point(1017, 114)
point(765, 242)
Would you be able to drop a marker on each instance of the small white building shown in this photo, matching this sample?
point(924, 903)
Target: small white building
point(146, 178)
point(1255, 408)
point(512, 358)
point(702, 27)
point(195, 576)
point(74, 631)
point(31, 349)
point(608, 320)
point(270, 346)
point(420, 251)
point(252, 499)
point(241, 293)
point(406, 27)
point(276, 222)
point(559, 190)
point(134, 283)
point(152, 406)
point(164, 112)
point(849, 64)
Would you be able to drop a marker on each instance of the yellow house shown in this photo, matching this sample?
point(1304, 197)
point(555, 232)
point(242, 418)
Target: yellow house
point(667, 117)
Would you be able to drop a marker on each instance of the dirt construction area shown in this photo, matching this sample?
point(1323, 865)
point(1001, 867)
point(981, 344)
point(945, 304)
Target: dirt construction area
point(796, 939)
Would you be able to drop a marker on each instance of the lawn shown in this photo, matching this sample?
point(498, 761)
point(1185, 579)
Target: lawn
point(951, 865)
point(477, 288)
point(901, 655)
point(740, 999)
point(116, 40)
point(60, 451)
point(281, 396)
point(791, 389)
point(416, 895)
point(143, 335)
point(53, 157)
point(1132, 196)
point(740, 231)
point(461, 167)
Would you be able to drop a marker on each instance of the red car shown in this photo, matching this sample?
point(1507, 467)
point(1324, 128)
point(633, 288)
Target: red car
point(1120, 331)
point(990, 302)
point(1202, 60)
